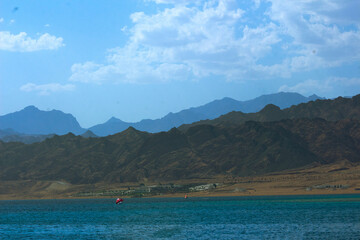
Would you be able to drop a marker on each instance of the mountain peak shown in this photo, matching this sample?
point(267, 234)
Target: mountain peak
point(114, 120)
point(31, 108)
point(314, 97)
point(31, 120)
point(88, 134)
point(130, 131)
point(270, 108)
point(228, 99)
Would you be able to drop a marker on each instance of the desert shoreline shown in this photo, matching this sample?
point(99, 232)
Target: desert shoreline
point(335, 179)
point(354, 193)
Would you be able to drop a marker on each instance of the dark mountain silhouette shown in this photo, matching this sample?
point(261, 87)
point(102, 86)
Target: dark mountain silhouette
point(88, 134)
point(208, 111)
point(203, 151)
point(31, 120)
point(331, 110)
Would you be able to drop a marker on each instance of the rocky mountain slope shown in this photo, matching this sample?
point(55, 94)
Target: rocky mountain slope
point(331, 110)
point(203, 151)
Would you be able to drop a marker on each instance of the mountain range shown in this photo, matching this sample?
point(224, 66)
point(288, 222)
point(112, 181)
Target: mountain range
point(331, 110)
point(28, 124)
point(233, 148)
point(211, 110)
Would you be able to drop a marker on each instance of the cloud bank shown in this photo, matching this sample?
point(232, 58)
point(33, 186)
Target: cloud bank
point(197, 39)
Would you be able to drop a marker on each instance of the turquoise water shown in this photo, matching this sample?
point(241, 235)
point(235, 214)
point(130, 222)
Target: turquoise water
point(277, 217)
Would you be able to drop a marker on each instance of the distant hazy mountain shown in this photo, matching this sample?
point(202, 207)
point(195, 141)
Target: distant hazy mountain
point(171, 120)
point(113, 125)
point(330, 110)
point(226, 105)
point(34, 121)
point(208, 111)
point(31, 120)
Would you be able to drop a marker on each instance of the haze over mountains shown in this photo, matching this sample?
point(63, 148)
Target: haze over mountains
point(232, 148)
point(330, 110)
point(208, 111)
point(32, 121)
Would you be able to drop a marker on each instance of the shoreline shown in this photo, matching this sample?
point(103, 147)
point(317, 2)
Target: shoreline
point(191, 195)
point(340, 178)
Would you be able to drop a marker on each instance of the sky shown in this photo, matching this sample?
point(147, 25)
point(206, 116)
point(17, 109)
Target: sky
point(141, 59)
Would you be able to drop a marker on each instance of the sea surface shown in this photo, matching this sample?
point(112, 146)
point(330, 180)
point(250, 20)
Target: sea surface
point(275, 217)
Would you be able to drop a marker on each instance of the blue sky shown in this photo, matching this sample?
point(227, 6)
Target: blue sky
point(141, 59)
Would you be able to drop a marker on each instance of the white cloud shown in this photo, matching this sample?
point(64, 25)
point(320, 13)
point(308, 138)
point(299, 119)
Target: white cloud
point(330, 86)
point(197, 39)
point(185, 42)
point(307, 87)
point(22, 43)
point(47, 25)
point(46, 89)
point(319, 32)
point(1, 20)
point(91, 72)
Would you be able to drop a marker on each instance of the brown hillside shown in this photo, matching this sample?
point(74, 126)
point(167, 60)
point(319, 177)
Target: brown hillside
point(202, 151)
